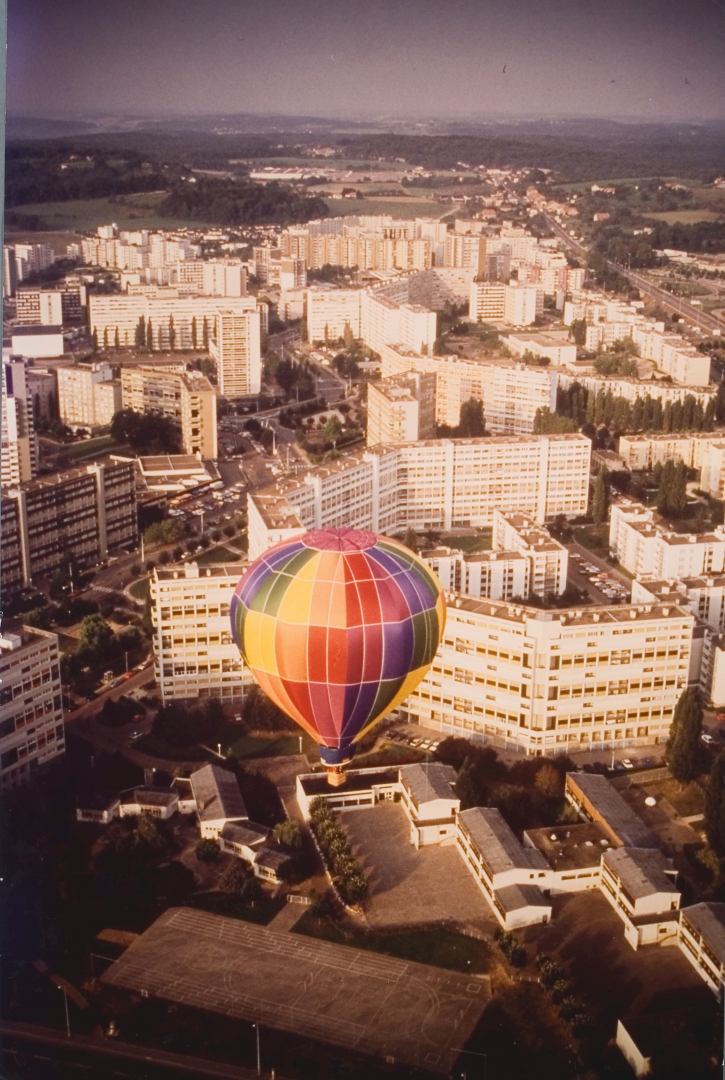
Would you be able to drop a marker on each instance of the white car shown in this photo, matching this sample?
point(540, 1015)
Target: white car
point(707, 738)
point(627, 763)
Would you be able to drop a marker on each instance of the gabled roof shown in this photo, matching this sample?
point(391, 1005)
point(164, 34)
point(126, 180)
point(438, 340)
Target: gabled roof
point(247, 833)
point(426, 783)
point(217, 794)
point(642, 871)
point(497, 843)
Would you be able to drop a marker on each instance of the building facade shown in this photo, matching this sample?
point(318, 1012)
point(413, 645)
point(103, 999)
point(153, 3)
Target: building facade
point(31, 708)
point(19, 450)
point(401, 408)
point(236, 348)
point(184, 396)
point(88, 396)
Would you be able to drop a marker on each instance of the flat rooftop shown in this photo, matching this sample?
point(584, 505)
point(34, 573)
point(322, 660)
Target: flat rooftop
point(412, 1013)
point(316, 783)
point(570, 847)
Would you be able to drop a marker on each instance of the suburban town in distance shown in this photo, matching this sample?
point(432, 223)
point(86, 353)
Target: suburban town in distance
point(362, 657)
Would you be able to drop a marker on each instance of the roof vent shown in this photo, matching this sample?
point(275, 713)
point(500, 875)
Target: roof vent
point(665, 611)
point(633, 614)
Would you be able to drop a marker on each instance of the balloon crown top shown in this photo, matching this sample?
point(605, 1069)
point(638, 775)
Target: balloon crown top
point(339, 539)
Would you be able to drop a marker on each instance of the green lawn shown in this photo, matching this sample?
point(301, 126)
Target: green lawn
point(441, 948)
point(397, 206)
point(686, 217)
point(217, 555)
point(596, 538)
point(140, 589)
point(468, 543)
point(90, 448)
point(282, 744)
point(262, 912)
point(85, 215)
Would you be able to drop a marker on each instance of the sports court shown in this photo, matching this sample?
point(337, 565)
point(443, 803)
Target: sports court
point(400, 1011)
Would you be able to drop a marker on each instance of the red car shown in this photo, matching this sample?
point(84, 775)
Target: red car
point(720, 716)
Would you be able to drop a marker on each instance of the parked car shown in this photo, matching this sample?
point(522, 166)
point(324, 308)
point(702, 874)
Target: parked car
point(720, 716)
point(627, 763)
point(707, 738)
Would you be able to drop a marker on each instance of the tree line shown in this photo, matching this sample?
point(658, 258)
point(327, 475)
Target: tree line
point(240, 202)
point(45, 173)
point(578, 409)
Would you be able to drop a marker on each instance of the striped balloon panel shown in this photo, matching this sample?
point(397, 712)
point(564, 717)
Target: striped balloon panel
point(338, 637)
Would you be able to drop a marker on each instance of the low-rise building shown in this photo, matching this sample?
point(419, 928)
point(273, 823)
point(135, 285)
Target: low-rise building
point(218, 800)
point(701, 937)
point(573, 853)
point(510, 876)
point(640, 884)
point(160, 803)
point(37, 342)
point(553, 346)
point(430, 802)
point(31, 708)
point(648, 550)
point(597, 800)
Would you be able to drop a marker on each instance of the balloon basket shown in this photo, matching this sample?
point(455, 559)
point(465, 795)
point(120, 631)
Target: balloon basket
point(335, 777)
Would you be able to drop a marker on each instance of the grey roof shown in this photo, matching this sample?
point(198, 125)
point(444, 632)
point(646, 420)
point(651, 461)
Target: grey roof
point(497, 843)
point(709, 921)
point(35, 330)
point(150, 796)
point(428, 782)
point(217, 794)
point(610, 807)
point(249, 833)
point(515, 897)
point(642, 871)
point(271, 857)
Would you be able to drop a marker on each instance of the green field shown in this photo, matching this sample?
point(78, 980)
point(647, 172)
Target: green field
point(468, 543)
point(685, 217)
point(398, 206)
point(85, 215)
point(217, 555)
point(140, 589)
point(441, 948)
point(275, 745)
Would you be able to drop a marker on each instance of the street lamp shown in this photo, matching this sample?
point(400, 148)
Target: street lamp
point(259, 1059)
point(300, 744)
point(67, 1017)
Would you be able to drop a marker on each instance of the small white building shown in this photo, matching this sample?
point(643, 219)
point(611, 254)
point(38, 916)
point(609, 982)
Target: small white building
point(640, 885)
point(430, 802)
point(37, 342)
point(218, 800)
point(510, 876)
point(100, 809)
point(157, 802)
point(701, 937)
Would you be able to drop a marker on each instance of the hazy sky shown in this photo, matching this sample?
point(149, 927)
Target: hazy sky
point(368, 58)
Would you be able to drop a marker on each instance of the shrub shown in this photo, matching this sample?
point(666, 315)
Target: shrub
point(321, 907)
point(207, 850)
point(512, 949)
point(216, 535)
point(136, 569)
point(164, 558)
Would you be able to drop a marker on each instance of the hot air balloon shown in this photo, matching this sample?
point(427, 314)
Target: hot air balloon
point(338, 626)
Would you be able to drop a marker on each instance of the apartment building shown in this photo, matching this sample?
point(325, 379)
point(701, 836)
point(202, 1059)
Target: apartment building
point(170, 317)
point(547, 559)
point(31, 708)
point(82, 514)
point(554, 347)
point(511, 393)
point(236, 348)
point(42, 390)
point(88, 395)
point(136, 249)
point(646, 451)
point(401, 408)
point(30, 258)
point(545, 681)
point(486, 301)
point(672, 354)
point(649, 550)
point(522, 303)
point(184, 396)
point(495, 575)
point(441, 484)
point(631, 389)
point(213, 277)
point(383, 321)
point(704, 596)
point(466, 250)
point(194, 653)
point(19, 449)
point(330, 312)
point(49, 307)
point(712, 474)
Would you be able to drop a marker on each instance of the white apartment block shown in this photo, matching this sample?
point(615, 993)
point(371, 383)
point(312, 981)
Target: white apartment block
point(236, 348)
point(548, 560)
point(19, 448)
point(671, 354)
point(466, 250)
point(511, 392)
point(368, 242)
point(441, 484)
point(31, 708)
point(648, 550)
point(701, 938)
point(646, 451)
point(330, 311)
point(545, 681)
point(494, 575)
point(213, 277)
point(88, 395)
point(553, 346)
point(185, 396)
point(385, 322)
point(631, 389)
point(401, 408)
point(522, 303)
point(133, 250)
point(194, 653)
point(704, 596)
point(486, 301)
point(712, 476)
point(29, 258)
point(166, 308)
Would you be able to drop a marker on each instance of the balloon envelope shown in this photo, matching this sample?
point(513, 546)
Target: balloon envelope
point(338, 626)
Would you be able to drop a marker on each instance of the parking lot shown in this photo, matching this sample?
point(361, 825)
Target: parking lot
point(596, 577)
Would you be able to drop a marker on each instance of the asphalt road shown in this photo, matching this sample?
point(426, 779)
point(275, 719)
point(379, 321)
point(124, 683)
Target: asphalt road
point(683, 307)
